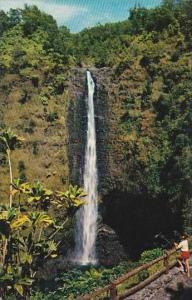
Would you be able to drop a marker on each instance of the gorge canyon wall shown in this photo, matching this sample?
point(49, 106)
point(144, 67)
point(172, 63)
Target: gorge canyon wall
point(54, 127)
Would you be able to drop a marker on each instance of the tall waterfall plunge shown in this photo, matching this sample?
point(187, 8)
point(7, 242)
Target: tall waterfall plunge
point(87, 215)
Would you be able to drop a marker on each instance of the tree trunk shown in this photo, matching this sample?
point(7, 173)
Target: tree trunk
point(4, 252)
point(11, 178)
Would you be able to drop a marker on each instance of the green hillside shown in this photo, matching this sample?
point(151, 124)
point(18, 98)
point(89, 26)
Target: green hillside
point(145, 64)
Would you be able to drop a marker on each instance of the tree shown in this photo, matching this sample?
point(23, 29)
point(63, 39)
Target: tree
point(4, 22)
point(138, 18)
point(27, 230)
point(14, 17)
point(33, 19)
point(28, 233)
point(10, 141)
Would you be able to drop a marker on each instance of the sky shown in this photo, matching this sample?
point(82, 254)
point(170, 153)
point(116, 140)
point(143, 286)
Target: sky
point(78, 14)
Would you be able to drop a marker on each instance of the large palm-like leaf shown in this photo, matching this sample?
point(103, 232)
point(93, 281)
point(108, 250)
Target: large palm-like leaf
point(10, 139)
point(41, 219)
point(71, 200)
point(8, 213)
point(5, 228)
point(40, 195)
point(23, 188)
point(15, 280)
point(19, 222)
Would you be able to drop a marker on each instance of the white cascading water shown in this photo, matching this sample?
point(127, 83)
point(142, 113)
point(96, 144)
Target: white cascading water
point(86, 226)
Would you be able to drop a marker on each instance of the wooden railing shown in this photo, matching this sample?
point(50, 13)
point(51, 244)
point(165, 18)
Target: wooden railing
point(123, 287)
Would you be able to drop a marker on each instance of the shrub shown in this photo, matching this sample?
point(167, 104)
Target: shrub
point(3, 69)
point(175, 55)
point(23, 177)
point(58, 84)
point(143, 275)
point(52, 117)
point(35, 80)
point(123, 65)
point(30, 127)
point(23, 97)
point(35, 148)
point(150, 255)
point(81, 281)
point(44, 99)
point(21, 166)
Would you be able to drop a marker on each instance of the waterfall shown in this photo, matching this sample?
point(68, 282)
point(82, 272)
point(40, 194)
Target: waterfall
point(86, 218)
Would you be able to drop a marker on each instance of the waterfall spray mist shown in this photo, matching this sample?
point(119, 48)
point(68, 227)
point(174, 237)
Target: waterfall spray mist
point(86, 219)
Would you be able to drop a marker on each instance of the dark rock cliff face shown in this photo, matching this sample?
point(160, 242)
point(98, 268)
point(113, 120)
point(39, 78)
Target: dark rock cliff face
point(109, 152)
point(109, 249)
point(77, 124)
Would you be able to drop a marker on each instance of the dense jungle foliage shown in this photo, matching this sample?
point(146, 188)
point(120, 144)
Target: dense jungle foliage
point(150, 54)
point(30, 226)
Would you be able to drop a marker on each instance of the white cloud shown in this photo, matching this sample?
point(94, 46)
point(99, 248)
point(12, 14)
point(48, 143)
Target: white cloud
point(61, 12)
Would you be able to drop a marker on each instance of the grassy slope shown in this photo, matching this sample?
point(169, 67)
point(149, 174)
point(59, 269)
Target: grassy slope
point(26, 109)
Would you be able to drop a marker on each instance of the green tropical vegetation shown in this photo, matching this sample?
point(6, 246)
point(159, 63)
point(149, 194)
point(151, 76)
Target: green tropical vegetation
point(81, 281)
point(150, 61)
point(28, 229)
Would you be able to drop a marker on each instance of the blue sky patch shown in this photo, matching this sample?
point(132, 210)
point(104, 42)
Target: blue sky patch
point(78, 14)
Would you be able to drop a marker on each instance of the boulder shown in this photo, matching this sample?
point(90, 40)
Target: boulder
point(109, 249)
